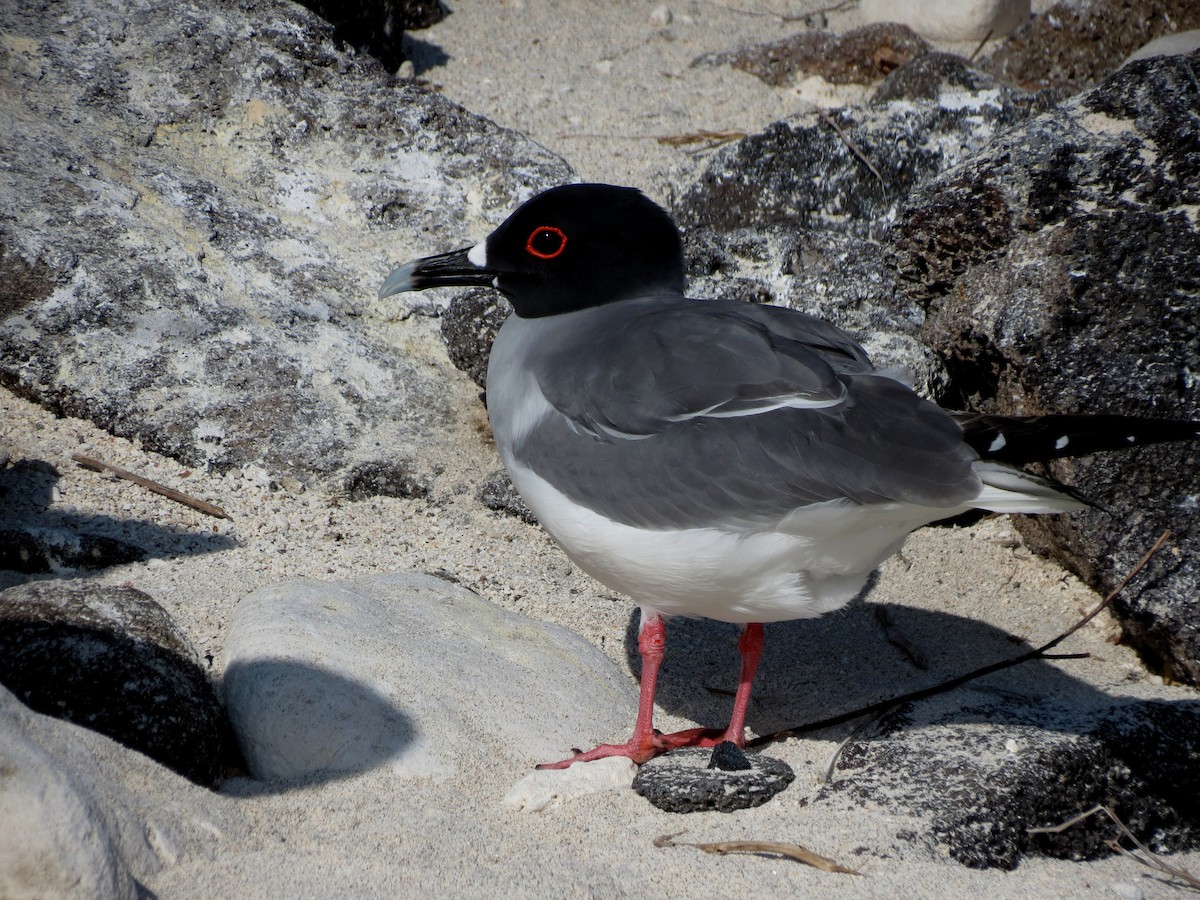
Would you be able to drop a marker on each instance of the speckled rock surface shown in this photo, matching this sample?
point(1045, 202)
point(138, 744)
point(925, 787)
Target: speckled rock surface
point(1075, 45)
point(1061, 271)
point(687, 781)
point(804, 172)
point(110, 659)
point(860, 56)
point(213, 293)
point(985, 772)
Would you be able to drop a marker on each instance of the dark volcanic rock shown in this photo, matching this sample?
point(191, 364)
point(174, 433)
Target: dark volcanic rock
point(815, 170)
point(837, 277)
point(1074, 45)
point(860, 56)
point(198, 211)
point(386, 478)
point(378, 26)
point(935, 75)
point(683, 781)
point(38, 551)
point(499, 494)
point(469, 326)
point(111, 659)
point(1061, 272)
point(39, 536)
point(982, 785)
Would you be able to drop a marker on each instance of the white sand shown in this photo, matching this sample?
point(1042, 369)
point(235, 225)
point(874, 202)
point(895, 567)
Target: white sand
point(595, 82)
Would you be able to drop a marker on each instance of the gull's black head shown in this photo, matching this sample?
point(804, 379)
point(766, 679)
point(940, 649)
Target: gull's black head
point(569, 248)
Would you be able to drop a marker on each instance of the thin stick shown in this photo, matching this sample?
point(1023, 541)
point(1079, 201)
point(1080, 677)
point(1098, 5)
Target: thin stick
point(1154, 861)
point(849, 142)
point(1039, 653)
point(790, 851)
point(170, 493)
point(987, 37)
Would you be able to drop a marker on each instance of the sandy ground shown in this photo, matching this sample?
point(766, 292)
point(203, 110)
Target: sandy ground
point(597, 83)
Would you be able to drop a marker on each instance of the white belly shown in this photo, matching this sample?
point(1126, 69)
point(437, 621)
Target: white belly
point(759, 576)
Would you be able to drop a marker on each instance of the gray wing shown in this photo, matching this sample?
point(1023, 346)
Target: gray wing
point(710, 414)
point(638, 374)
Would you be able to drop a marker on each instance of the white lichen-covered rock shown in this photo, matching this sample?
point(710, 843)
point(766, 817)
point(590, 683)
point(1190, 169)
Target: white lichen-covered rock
point(950, 20)
point(199, 210)
point(411, 672)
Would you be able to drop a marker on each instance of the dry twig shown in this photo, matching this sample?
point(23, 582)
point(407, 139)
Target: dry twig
point(1041, 652)
point(170, 493)
point(775, 848)
point(849, 142)
point(1151, 860)
point(709, 138)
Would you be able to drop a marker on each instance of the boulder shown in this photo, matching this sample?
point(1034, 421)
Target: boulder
point(200, 211)
point(1060, 271)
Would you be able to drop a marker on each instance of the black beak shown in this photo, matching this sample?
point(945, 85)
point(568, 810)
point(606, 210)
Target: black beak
point(452, 269)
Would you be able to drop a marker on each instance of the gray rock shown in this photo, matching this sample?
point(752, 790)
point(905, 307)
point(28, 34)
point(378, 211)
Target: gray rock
point(411, 672)
point(981, 775)
point(83, 816)
point(169, 263)
point(110, 659)
point(684, 781)
point(57, 841)
point(1060, 270)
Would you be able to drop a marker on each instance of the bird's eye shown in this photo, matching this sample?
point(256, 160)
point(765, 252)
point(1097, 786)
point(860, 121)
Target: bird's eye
point(546, 242)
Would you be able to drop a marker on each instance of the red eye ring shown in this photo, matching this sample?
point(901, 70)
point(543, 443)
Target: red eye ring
point(539, 235)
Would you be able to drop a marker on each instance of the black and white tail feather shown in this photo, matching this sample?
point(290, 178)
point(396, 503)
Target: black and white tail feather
point(1021, 440)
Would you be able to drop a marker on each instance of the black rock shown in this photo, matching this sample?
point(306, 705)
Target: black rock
point(38, 551)
point(848, 170)
point(682, 782)
point(729, 757)
point(378, 26)
point(469, 326)
point(981, 785)
point(1074, 45)
point(499, 494)
point(1060, 271)
point(386, 478)
point(111, 659)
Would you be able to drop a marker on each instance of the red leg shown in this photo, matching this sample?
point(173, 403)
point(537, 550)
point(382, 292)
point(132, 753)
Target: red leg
point(646, 743)
point(750, 647)
point(652, 645)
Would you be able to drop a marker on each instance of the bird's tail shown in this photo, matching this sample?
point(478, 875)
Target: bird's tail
point(1018, 440)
